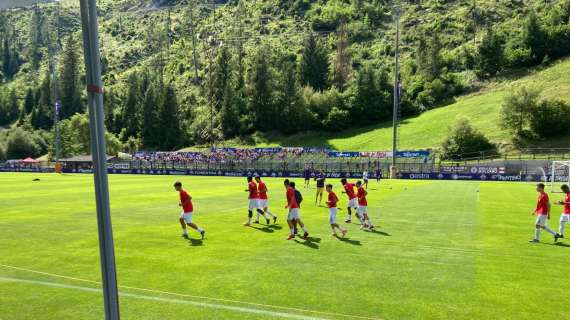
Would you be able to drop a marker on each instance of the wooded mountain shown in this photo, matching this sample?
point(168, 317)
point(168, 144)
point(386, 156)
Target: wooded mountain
point(188, 72)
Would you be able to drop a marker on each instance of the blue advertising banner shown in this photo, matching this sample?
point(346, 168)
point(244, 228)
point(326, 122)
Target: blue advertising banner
point(338, 154)
point(287, 174)
point(229, 150)
point(315, 149)
point(469, 176)
point(413, 154)
point(268, 150)
point(220, 173)
point(15, 169)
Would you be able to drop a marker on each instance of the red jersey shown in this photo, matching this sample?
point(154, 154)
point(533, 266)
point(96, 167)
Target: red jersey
point(291, 200)
point(567, 204)
point(333, 199)
point(253, 194)
point(542, 205)
point(262, 188)
point(362, 197)
point(186, 202)
point(349, 189)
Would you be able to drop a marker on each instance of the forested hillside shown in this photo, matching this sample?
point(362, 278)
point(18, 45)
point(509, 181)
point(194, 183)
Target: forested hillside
point(180, 73)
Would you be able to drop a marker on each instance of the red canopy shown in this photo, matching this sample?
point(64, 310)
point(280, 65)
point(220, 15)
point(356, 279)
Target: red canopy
point(30, 160)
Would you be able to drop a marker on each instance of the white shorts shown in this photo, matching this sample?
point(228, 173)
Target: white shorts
point(541, 220)
point(263, 203)
point(253, 204)
point(362, 210)
point(187, 216)
point(353, 203)
point(565, 217)
point(332, 215)
point(294, 214)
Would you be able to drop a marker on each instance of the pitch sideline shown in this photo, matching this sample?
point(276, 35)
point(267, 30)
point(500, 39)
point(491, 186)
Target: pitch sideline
point(200, 304)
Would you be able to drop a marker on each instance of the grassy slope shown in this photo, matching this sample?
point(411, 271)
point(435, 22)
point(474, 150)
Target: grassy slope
point(429, 129)
point(449, 256)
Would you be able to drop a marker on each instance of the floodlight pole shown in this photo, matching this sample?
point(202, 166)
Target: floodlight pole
point(99, 154)
point(396, 92)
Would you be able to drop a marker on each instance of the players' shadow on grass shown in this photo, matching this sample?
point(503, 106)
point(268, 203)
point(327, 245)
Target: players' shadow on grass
point(196, 242)
point(275, 227)
point(561, 244)
point(382, 233)
point(266, 229)
point(309, 243)
point(313, 239)
point(350, 241)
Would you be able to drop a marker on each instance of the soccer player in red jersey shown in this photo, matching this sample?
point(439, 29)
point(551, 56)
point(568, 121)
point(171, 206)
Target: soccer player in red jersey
point(565, 217)
point(362, 210)
point(253, 201)
point(263, 199)
point(542, 212)
point(352, 202)
point(188, 208)
point(331, 203)
point(294, 215)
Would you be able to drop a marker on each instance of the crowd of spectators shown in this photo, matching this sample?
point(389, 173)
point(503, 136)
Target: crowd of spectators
point(228, 154)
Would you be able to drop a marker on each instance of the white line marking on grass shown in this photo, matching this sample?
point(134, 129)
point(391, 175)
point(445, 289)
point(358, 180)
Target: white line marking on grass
point(199, 297)
point(169, 300)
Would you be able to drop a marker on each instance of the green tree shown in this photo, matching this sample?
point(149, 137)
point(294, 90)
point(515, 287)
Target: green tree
point(371, 96)
point(342, 61)
point(70, 86)
point(490, 54)
point(9, 108)
point(41, 115)
point(171, 135)
point(222, 76)
point(293, 114)
point(261, 89)
point(517, 108)
point(21, 144)
point(550, 118)
point(314, 64)
point(29, 101)
point(10, 57)
point(535, 38)
point(150, 130)
point(75, 137)
point(230, 113)
point(428, 56)
point(37, 24)
point(464, 141)
point(130, 120)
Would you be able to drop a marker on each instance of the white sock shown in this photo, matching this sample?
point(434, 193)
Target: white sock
point(547, 228)
point(304, 229)
point(185, 231)
point(200, 230)
point(537, 234)
point(248, 220)
point(561, 229)
point(257, 217)
point(292, 232)
point(270, 214)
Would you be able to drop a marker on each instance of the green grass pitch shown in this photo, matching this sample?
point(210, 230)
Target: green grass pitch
point(446, 251)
